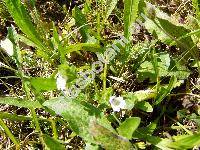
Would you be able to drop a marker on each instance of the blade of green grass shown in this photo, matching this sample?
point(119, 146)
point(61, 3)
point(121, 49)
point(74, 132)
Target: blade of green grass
point(130, 15)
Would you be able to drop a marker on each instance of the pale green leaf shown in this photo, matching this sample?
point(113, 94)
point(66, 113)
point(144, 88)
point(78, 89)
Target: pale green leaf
point(81, 22)
point(20, 102)
point(77, 115)
point(43, 84)
point(145, 106)
point(52, 144)
point(23, 21)
point(187, 142)
point(133, 98)
point(108, 139)
point(110, 6)
point(130, 15)
point(127, 128)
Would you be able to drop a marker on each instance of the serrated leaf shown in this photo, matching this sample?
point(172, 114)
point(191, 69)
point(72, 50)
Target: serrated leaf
point(43, 84)
point(20, 102)
point(52, 144)
point(130, 15)
point(127, 128)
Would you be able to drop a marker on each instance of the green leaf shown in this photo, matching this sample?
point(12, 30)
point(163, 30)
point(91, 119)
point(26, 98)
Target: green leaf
point(52, 144)
point(23, 21)
point(130, 15)
point(110, 6)
point(164, 92)
point(196, 5)
point(158, 142)
point(175, 32)
point(83, 46)
point(82, 23)
point(127, 128)
point(68, 72)
point(133, 98)
point(43, 84)
point(74, 113)
point(108, 139)
point(166, 66)
point(186, 142)
point(145, 106)
point(20, 102)
point(77, 115)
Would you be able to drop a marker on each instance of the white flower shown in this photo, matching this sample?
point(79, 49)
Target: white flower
point(61, 82)
point(117, 103)
point(7, 45)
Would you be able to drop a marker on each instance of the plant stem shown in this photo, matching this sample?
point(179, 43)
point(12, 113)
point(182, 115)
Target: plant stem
point(114, 115)
point(37, 125)
point(104, 78)
point(53, 125)
point(9, 133)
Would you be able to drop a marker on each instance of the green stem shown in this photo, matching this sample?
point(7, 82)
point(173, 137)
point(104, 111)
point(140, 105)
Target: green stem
point(9, 133)
point(104, 78)
point(114, 115)
point(37, 125)
point(53, 125)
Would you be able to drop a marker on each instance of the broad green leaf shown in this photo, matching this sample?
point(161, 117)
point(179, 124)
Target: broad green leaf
point(186, 142)
point(165, 91)
point(74, 113)
point(166, 66)
point(77, 115)
point(23, 21)
point(127, 128)
point(82, 23)
point(107, 139)
point(52, 144)
point(130, 15)
point(174, 32)
point(156, 31)
point(43, 84)
point(145, 106)
point(110, 6)
point(20, 102)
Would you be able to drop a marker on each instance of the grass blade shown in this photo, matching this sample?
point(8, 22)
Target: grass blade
point(130, 15)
